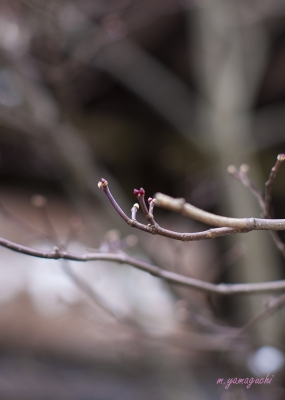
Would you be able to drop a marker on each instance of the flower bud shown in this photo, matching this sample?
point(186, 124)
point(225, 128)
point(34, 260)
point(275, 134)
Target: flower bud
point(102, 182)
point(281, 157)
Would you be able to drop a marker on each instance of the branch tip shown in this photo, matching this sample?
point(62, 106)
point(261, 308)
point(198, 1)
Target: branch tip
point(231, 169)
point(281, 157)
point(134, 210)
point(244, 168)
point(102, 183)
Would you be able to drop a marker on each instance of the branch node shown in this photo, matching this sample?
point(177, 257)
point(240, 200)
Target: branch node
point(210, 234)
point(131, 222)
point(153, 229)
point(251, 223)
point(57, 252)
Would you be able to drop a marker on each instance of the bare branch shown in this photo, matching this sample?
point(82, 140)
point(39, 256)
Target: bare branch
point(155, 229)
point(247, 224)
point(171, 277)
point(87, 289)
point(241, 175)
point(270, 308)
point(269, 183)
point(227, 225)
point(264, 200)
point(188, 210)
point(236, 225)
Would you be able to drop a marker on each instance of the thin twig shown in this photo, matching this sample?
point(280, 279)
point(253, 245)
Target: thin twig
point(155, 229)
point(148, 213)
point(171, 277)
point(86, 288)
point(264, 200)
point(241, 175)
point(270, 308)
point(226, 225)
point(22, 225)
point(269, 183)
point(134, 211)
point(242, 224)
point(209, 325)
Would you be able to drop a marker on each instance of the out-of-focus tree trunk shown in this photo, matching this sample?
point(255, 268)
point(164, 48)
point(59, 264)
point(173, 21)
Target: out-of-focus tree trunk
point(230, 55)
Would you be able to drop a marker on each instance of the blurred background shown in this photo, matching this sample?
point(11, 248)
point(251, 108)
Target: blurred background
point(162, 95)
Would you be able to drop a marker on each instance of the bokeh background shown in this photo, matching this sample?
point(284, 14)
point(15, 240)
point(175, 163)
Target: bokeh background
point(163, 95)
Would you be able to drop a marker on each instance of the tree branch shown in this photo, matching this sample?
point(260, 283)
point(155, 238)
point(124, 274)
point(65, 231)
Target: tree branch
point(226, 225)
point(171, 277)
point(155, 229)
point(264, 200)
point(237, 225)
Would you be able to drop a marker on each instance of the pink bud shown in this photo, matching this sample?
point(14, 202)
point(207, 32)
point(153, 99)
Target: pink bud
point(142, 192)
point(103, 180)
point(136, 192)
point(149, 199)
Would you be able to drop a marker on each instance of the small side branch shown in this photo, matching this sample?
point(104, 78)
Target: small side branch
point(241, 175)
point(153, 228)
point(264, 199)
point(273, 305)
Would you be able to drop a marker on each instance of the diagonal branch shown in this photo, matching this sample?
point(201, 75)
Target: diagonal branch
point(270, 308)
point(171, 277)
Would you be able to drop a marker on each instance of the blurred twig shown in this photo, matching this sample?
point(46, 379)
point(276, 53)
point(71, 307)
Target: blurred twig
point(264, 199)
point(87, 289)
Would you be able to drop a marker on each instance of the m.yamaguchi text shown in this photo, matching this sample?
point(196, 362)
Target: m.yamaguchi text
point(245, 381)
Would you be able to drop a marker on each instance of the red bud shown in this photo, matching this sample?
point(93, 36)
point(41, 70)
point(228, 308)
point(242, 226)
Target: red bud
point(136, 192)
point(142, 192)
